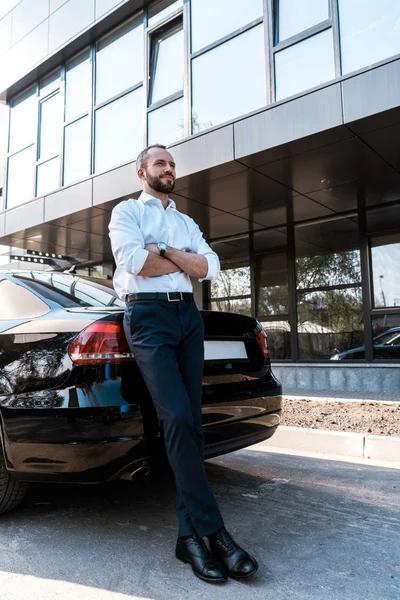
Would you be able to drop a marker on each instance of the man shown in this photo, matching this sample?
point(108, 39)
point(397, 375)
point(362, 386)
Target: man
point(157, 250)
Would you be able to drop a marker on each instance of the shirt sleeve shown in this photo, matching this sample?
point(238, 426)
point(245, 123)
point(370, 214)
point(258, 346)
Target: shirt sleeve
point(200, 246)
point(127, 240)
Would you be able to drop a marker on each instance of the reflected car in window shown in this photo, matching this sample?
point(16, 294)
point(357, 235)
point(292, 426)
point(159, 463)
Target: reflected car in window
point(73, 404)
point(386, 345)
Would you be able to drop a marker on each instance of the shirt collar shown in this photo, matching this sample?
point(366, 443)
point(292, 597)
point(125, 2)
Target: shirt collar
point(145, 197)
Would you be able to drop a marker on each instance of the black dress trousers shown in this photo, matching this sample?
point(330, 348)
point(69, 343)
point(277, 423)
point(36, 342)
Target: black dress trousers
point(167, 340)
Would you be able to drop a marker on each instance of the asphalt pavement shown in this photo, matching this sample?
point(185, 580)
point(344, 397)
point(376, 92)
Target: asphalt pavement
point(320, 529)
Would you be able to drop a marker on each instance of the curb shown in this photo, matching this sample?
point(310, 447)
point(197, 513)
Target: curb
point(341, 443)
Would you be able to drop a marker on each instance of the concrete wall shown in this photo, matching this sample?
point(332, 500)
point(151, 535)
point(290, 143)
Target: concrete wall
point(360, 378)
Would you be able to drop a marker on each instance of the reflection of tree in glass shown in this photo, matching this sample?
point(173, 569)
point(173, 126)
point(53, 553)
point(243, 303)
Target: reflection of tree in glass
point(231, 283)
point(328, 269)
point(197, 126)
point(273, 300)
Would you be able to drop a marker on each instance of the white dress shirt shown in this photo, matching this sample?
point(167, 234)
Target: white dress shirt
point(135, 223)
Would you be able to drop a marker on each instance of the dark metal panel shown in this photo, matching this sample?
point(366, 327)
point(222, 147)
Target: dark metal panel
point(386, 143)
point(70, 19)
point(288, 121)
point(26, 16)
point(117, 184)
point(22, 217)
point(372, 92)
point(304, 208)
point(68, 200)
point(204, 151)
point(5, 33)
point(227, 224)
point(344, 162)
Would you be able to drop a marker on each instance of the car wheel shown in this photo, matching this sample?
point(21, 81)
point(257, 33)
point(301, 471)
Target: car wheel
point(12, 491)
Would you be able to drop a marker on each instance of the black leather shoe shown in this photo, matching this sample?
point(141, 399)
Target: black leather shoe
point(194, 551)
point(237, 561)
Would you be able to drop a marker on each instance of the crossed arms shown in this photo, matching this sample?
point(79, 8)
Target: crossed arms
point(135, 257)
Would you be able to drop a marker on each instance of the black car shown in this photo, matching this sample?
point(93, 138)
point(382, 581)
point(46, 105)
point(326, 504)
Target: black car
point(386, 345)
point(73, 405)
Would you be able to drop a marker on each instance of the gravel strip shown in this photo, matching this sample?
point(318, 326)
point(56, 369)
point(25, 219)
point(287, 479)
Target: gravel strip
point(376, 418)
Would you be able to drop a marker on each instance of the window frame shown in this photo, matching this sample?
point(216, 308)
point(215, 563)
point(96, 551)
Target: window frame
point(275, 46)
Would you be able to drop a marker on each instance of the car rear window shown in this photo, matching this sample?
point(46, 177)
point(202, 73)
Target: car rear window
point(69, 291)
point(17, 302)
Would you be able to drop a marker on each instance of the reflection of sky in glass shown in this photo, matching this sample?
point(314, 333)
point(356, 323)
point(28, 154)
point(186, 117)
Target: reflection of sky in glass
point(304, 65)
point(23, 121)
point(369, 32)
point(119, 62)
point(229, 81)
point(385, 271)
point(297, 15)
point(168, 77)
point(48, 176)
point(77, 150)
point(213, 20)
point(77, 87)
point(119, 131)
point(50, 126)
point(20, 189)
point(166, 123)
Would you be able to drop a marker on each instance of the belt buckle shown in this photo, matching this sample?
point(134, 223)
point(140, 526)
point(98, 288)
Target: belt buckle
point(177, 299)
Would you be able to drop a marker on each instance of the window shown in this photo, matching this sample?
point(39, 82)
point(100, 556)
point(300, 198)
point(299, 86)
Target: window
point(386, 332)
point(167, 69)
point(271, 285)
point(77, 150)
point(231, 292)
point(369, 32)
point(21, 189)
point(304, 65)
point(119, 61)
point(329, 297)
point(212, 20)
point(166, 123)
point(78, 86)
point(118, 127)
point(385, 258)
point(50, 126)
point(19, 303)
point(165, 106)
point(295, 16)
point(48, 176)
point(23, 121)
point(303, 46)
point(229, 80)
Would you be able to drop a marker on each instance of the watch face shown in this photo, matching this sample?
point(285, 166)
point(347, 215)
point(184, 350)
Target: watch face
point(162, 246)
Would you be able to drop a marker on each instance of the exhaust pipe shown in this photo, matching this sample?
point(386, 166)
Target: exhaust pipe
point(140, 472)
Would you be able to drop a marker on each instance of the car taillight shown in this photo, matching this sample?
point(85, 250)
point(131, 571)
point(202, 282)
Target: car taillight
point(262, 340)
point(101, 342)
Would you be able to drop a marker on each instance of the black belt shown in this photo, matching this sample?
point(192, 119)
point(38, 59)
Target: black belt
point(170, 296)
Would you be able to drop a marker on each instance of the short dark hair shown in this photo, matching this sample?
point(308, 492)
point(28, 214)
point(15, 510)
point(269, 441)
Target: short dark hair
point(141, 161)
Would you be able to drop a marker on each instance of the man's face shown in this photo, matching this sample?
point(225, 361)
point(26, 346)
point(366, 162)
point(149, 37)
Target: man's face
point(159, 172)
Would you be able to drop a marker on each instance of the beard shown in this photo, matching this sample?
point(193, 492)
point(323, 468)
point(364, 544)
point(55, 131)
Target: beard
point(158, 185)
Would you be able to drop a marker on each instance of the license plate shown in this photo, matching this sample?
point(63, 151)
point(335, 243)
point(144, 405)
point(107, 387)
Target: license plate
point(216, 350)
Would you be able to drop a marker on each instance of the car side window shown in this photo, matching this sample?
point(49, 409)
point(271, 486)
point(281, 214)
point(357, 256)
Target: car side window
point(17, 302)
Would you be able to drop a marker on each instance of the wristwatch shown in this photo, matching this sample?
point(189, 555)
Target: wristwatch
point(162, 246)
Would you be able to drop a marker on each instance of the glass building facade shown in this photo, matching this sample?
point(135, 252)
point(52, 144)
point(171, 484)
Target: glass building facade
point(323, 283)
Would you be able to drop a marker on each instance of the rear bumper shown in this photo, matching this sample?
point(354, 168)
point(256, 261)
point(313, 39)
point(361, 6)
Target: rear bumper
point(97, 443)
